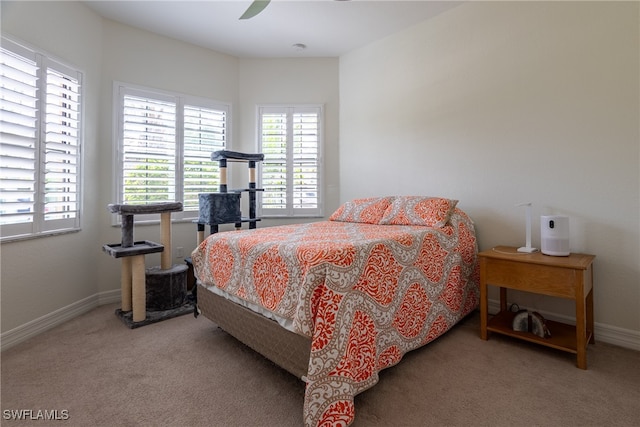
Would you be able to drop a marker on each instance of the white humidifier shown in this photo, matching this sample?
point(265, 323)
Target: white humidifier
point(554, 234)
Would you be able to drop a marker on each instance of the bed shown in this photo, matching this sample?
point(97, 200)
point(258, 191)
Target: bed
point(335, 302)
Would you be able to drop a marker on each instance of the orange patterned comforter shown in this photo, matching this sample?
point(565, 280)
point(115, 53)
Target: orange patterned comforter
point(365, 294)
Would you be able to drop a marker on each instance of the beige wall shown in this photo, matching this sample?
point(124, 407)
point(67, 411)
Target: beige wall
point(498, 103)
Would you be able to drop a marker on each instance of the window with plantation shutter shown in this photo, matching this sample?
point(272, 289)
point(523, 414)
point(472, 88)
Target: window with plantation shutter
point(291, 175)
point(165, 142)
point(40, 144)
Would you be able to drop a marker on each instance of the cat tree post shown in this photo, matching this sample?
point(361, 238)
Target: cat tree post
point(165, 230)
point(223, 175)
point(138, 291)
point(126, 284)
point(252, 192)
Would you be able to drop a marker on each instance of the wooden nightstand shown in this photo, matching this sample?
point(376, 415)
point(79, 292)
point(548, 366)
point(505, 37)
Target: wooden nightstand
point(565, 277)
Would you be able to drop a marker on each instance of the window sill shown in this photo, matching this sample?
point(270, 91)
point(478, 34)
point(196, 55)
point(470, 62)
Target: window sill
point(23, 237)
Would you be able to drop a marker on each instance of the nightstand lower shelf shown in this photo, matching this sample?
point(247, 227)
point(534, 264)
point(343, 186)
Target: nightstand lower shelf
point(563, 336)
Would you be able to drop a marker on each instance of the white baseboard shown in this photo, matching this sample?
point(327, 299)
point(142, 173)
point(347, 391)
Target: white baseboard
point(109, 297)
point(606, 333)
point(610, 334)
point(51, 320)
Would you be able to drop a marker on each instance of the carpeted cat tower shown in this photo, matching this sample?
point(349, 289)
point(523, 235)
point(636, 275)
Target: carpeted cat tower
point(149, 295)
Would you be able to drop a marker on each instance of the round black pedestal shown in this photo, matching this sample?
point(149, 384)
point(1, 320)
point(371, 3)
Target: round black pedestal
point(166, 289)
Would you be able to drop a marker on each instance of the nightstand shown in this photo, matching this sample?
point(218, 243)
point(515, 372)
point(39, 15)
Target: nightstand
point(565, 277)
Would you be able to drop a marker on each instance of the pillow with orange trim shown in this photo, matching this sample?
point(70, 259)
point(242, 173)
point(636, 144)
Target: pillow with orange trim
point(419, 210)
point(369, 210)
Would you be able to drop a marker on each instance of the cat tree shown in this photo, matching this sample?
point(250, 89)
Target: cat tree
point(224, 207)
point(163, 288)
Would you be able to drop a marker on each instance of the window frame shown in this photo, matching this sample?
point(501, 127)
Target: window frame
point(120, 90)
point(290, 211)
point(39, 226)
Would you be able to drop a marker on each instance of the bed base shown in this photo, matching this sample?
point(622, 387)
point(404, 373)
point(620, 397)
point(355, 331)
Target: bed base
point(286, 349)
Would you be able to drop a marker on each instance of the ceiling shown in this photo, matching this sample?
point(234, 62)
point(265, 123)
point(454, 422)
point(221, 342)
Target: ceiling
point(328, 28)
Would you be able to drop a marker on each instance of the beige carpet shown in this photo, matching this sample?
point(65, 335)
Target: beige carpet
point(187, 372)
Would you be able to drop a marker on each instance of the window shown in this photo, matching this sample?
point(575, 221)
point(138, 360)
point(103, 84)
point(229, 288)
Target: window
point(40, 144)
point(164, 151)
point(291, 176)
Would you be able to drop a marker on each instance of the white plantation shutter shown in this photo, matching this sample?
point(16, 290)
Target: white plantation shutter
point(290, 139)
point(205, 131)
point(305, 160)
point(274, 167)
point(62, 148)
point(39, 145)
point(148, 150)
point(18, 158)
point(165, 145)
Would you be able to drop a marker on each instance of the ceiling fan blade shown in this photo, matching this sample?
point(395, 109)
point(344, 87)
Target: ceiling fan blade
point(255, 8)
